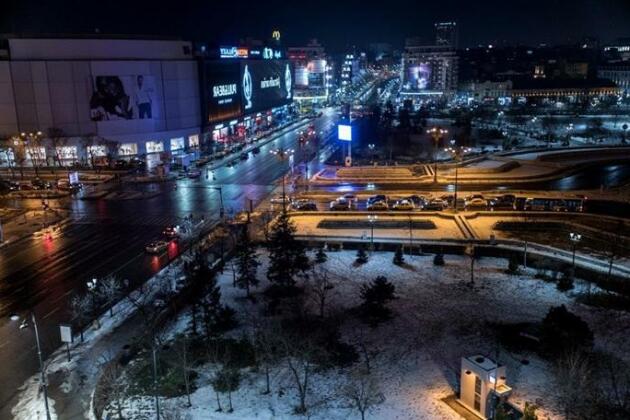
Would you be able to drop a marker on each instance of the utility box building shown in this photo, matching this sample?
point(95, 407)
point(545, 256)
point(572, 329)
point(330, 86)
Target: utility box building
point(482, 383)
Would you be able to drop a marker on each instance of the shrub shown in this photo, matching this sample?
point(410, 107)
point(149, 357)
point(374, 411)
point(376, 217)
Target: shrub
point(362, 256)
point(399, 258)
point(375, 297)
point(562, 331)
point(438, 259)
point(513, 265)
point(320, 256)
point(565, 283)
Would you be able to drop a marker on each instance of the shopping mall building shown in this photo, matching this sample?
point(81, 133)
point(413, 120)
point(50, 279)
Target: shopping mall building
point(123, 98)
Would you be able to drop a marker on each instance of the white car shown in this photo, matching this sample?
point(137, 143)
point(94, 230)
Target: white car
point(404, 205)
point(476, 202)
point(156, 247)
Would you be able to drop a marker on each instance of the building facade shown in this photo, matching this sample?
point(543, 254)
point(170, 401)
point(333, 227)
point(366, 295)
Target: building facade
point(141, 94)
point(126, 98)
point(619, 73)
point(428, 70)
point(312, 72)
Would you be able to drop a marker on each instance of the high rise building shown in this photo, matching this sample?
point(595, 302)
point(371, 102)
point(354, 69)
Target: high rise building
point(312, 72)
point(446, 34)
point(428, 69)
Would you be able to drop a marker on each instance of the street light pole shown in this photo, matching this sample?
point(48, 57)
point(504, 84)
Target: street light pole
point(42, 372)
point(222, 209)
point(575, 239)
point(372, 218)
point(436, 133)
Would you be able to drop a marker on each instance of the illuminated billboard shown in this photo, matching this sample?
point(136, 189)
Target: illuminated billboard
point(129, 97)
point(344, 132)
point(223, 93)
point(265, 84)
point(417, 77)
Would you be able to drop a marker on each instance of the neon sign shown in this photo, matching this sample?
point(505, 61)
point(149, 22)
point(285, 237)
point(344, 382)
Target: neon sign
point(233, 52)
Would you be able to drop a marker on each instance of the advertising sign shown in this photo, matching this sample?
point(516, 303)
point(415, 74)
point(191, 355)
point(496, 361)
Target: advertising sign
point(344, 132)
point(266, 84)
point(417, 77)
point(128, 97)
point(223, 90)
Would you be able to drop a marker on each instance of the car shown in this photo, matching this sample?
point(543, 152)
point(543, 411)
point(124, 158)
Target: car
point(279, 199)
point(375, 198)
point(474, 196)
point(403, 205)
point(417, 200)
point(340, 204)
point(476, 203)
point(156, 247)
point(559, 206)
point(231, 164)
point(39, 184)
point(244, 156)
point(193, 174)
point(505, 202)
point(304, 205)
point(377, 206)
point(435, 205)
point(171, 232)
point(65, 185)
point(8, 185)
point(256, 150)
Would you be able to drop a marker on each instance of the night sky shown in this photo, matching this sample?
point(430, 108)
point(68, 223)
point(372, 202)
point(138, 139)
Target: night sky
point(336, 23)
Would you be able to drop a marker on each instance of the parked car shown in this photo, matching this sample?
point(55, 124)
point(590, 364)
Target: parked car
point(8, 186)
point(377, 206)
point(375, 198)
point(340, 204)
point(39, 184)
point(65, 185)
point(256, 150)
point(476, 203)
point(503, 202)
point(304, 205)
point(278, 199)
point(231, 164)
point(156, 247)
point(435, 205)
point(403, 205)
point(244, 156)
point(417, 200)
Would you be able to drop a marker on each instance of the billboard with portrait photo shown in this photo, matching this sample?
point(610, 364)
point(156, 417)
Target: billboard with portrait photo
point(128, 97)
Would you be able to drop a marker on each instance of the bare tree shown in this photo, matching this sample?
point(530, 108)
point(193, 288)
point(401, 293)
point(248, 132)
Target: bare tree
point(573, 384)
point(362, 393)
point(57, 139)
point(109, 290)
point(113, 383)
point(266, 344)
point(81, 307)
point(181, 358)
point(299, 353)
point(320, 288)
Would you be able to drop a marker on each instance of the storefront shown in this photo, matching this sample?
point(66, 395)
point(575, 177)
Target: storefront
point(67, 155)
point(127, 149)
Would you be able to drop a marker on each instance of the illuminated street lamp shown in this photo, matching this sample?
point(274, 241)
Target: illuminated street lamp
point(575, 239)
point(436, 133)
point(42, 374)
point(457, 153)
point(283, 154)
point(372, 218)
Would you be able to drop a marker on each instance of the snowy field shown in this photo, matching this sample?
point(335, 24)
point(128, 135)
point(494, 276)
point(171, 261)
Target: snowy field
point(416, 355)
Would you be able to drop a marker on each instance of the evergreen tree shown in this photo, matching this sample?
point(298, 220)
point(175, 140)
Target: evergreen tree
point(247, 263)
point(216, 317)
point(320, 256)
point(399, 258)
point(513, 265)
point(362, 256)
point(376, 296)
point(286, 255)
point(438, 259)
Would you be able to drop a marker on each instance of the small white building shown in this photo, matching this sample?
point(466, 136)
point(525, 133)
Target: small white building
point(482, 381)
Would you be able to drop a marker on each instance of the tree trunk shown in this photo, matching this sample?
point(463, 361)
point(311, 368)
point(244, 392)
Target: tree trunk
point(218, 401)
point(230, 400)
point(268, 390)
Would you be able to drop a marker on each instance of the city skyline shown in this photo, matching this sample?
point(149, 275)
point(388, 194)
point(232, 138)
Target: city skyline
point(350, 23)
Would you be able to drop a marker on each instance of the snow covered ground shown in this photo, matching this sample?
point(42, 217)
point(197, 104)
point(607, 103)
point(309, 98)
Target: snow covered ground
point(416, 355)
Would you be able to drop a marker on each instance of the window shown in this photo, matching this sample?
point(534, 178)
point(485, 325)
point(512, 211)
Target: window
point(155, 146)
point(193, 141)
point(67, 152)
point(177, 144)
point(36, 155)
point(477, 393)
point(128, 149)
point(97, 151)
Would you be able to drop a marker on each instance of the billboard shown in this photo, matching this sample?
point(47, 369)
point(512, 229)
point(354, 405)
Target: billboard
point(223, 91)
point(417, 77)
point(344, 132)
point(129, 97)
point(265, 84)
